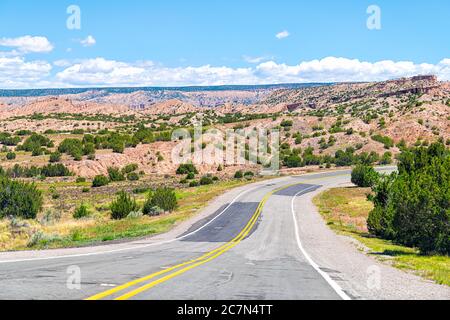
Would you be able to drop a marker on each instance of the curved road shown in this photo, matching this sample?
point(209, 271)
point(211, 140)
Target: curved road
point(250, 247)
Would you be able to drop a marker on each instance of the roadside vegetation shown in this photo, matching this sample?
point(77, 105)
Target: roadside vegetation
point(402, 218)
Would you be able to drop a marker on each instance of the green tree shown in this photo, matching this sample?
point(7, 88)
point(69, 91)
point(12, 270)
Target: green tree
point(10, 156)
point(239, 174)
point(115, 175)
point(364, 176)
point(413, 206)
point(100, 181)
point(123, 206)
point(81, 212)
point(186, 169)
point(163, 198)
point(19, 199)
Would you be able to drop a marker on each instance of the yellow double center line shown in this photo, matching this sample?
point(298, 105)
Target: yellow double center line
point(186, 266)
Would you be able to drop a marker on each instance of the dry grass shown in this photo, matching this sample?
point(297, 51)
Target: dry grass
point(345, 207)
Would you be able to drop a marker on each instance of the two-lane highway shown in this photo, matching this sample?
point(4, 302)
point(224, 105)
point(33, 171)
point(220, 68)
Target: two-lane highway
point(249, 249)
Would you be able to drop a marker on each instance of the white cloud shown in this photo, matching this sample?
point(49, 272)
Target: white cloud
point(332, 69)
point(62, 63)
point(88, 42)
point(104, 72)
point(99, 71)
point(282, 34)
point(16, 72)
point(109, 72)
point(256, 59)
point(27, 44)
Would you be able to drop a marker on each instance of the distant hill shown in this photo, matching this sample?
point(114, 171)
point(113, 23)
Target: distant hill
point(128, 90)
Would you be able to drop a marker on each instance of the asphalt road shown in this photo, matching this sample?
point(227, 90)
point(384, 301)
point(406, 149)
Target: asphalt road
point(250, 248)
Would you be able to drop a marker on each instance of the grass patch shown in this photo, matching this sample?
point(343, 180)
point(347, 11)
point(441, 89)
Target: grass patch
point(345, 211)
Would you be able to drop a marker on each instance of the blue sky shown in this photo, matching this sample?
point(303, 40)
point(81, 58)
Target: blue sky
point(174, 42)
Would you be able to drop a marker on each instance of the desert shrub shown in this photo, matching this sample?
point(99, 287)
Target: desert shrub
point(42, 239)
point(19, 199)
point(135, 215)
point(118, 146)
point(50, 217)
point(115, 175)
point(36, 152)
point(366, 158)
point(18, 171)
point(238, 175)
point(132, 176)
point(73, 147)
point(144, 135)
point(141, 190)
point(89, 148)
point(81, 212)
point(364, 176)
point(80, 180)
point(190, 176)
point(55, 170)
point(35, 142)
point(344, 158)
point(386, 141)
point(194, 183)
point(10, 156)
point(206, 180)
point(100, 181)
point(249, 174)
point(386, 159)
point(286, 123)
point(293, 161)
point(55, 157)
point(187, 168)
point(7, 140)
point(123, 206)
point(22, 133)
point(163, 198)
point(129, 168)
point(151, 210)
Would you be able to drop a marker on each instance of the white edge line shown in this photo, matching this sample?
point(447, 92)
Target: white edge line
point(136, 247)
point(327, 278)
